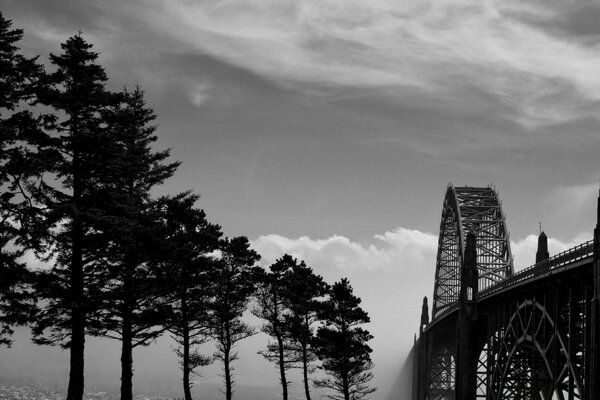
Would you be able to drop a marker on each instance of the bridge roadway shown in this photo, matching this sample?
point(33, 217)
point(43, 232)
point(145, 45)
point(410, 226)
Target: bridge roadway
point(528, 335)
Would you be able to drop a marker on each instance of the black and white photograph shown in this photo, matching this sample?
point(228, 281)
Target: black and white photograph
point(299, 200)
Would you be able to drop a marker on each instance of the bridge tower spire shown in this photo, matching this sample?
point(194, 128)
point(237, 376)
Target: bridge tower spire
point(424, 316)
point(542, 249)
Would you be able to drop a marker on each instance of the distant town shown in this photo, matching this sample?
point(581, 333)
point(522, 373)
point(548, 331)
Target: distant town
point(8, 392)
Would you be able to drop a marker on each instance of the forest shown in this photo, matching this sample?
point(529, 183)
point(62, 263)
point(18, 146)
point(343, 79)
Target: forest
point(78, 177)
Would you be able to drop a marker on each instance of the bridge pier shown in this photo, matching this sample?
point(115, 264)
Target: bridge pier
point(421, 364)
point(593, 348)
point(466, 335)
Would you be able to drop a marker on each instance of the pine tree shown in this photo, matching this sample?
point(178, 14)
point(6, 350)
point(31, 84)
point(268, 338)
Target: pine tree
point(76, 156)
point(191, 242)
point(342, 346)
point(304, 295)
point(288, 300)
point(18, 79)
point(271, 299)
point(233, 288)
point(133, 305)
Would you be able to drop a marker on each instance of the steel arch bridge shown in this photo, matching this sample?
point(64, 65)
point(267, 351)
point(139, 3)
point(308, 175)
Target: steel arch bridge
point(470, 210)
point(496, 334)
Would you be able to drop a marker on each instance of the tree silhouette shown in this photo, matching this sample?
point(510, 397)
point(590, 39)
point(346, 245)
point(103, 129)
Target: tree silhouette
point(190, 246)
point(304, 295)
point(272, 308)
point(133, 301)
point(75, 156)
point(233, 288)
point(342, 345)
point(18, 79)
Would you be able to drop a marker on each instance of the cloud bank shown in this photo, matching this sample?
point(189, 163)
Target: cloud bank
point(401, 248)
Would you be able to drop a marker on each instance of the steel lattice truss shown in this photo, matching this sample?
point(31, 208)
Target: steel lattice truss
point(537, 355)
point(442, 375)
point(477, 210)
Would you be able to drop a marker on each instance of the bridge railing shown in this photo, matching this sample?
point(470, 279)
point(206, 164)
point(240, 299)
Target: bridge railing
point(566, 257)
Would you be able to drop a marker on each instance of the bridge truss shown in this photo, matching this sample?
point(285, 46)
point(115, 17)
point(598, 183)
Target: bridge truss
point(477, 210)
point(497, 335)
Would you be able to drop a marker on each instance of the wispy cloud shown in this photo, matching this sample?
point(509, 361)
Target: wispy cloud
point(199, 93)
point(501, 47)
point(532, 58)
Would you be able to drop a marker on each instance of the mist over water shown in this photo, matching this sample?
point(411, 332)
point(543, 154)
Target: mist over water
point(156, 372)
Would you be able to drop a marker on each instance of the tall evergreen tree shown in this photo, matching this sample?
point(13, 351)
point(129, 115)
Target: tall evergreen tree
point(76, 160)
point(304, 296)
point(18, 79)
point(134, 299)
point(288, 300)
point(191, 242)
point(271, 299)
point(341, 344)
point(233, 288)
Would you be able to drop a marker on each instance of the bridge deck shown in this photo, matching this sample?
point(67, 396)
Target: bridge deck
point(569, 259)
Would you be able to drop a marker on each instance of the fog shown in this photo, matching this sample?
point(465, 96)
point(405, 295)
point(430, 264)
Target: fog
point(391, 275)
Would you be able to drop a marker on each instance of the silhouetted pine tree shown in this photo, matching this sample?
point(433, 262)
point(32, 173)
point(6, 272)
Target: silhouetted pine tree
point(271, 306)
point(288, 300)
point(233, 288)
point(342, 346)
point(76, 156)
point(190, 245)
point(134, 296)
point(304, 296)
point(18, 81)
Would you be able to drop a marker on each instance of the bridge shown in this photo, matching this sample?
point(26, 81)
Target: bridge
point(495, 334)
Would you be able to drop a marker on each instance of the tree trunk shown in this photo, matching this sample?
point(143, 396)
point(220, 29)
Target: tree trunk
point(345, 386)
point(284, 383)
point(305, 370)
point(77, 345)
point(228, 384)
point(226, 366)
point(186, 352)
point(186, 367)
point(127, 339)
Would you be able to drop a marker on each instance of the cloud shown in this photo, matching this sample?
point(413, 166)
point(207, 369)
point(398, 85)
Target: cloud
point(434, 46)
point(398, 249)
point(524, 250)
point(531, 59)
point(199, 93)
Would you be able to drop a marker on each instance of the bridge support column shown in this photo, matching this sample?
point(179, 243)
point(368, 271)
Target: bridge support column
point(466, 340)
point(421, 361)
point(593, 347)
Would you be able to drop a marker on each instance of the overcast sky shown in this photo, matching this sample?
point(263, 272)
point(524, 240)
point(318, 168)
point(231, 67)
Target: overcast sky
point(330, 128)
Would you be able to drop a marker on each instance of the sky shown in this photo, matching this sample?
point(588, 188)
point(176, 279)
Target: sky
point(330, 129)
